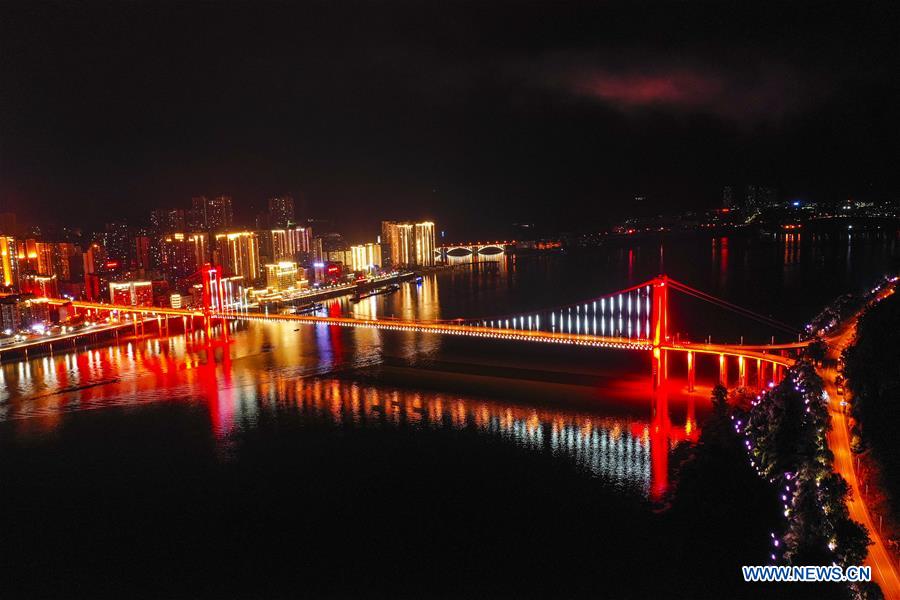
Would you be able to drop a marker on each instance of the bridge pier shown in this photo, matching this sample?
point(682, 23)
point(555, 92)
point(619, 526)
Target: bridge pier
point(742, 372)
point(660, 368)
point(691, 371)
point(760, 379)
point(723, 371)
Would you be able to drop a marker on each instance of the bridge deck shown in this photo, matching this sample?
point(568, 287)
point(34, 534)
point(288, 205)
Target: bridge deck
point(752, 352)
point(455, 329)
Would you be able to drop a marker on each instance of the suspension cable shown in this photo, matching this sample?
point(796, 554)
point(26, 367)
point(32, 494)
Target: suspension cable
point(772, 322)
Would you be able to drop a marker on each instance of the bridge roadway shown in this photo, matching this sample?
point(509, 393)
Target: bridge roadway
point(450, 328)
point(754, 352)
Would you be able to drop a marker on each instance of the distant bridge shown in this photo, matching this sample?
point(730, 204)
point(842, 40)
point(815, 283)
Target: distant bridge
point(473, 249)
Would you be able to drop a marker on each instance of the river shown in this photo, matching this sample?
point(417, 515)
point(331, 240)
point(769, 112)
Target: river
point(316, 461)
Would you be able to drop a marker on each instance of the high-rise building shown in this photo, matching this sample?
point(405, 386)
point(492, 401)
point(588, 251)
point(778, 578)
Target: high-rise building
point(184, 253)
point(23, 311)
point(408, 244)
point(9, 262)
point(168, 220)
point(340, 255)
point(66, 261)
point(211, 214)
point(47, 258)
point(294, 243)
point(117, 243)
point(238, 253)
point(281, 211)
point(219, 213)
point(317, 252)
point(131, 293)
point(45, 286)
point(34, 257)
point(365, 257)
point(283, 275)
point(142, 252)
point(424, 243)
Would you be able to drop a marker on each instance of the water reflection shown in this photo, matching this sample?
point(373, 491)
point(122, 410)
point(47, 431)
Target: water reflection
point(612, 449)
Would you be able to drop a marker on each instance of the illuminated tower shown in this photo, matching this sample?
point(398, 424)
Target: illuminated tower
point(424, 243)
point(9, 264)
point(408, 244)
point(238, 253)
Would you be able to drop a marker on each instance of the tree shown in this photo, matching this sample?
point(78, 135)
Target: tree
point(816, 350)
point(720, 398)
point(866, 590)
point(851, 542)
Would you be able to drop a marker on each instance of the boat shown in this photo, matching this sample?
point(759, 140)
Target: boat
point(388, 289)
point(308, 308)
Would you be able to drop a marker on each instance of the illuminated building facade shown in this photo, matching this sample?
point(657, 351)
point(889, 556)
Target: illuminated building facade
point(183, 253)
point(45, 286)
point(131, 293)
point(294, 243)
point(238, 253)
point(66, 261)
point(340, 255)
point(22, 311)
point(282, 276)
point(423, 239)
point(408, 244)
point(9, 262)
point(34, 257)
point(61, 259)
point(365, 257)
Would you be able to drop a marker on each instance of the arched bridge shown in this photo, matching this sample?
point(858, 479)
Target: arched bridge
point(472, 249)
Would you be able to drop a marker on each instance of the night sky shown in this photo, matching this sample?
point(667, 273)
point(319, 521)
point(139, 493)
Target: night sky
point(474, 114)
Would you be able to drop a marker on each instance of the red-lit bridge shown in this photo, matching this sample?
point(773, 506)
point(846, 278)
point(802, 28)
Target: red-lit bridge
point(635, 319)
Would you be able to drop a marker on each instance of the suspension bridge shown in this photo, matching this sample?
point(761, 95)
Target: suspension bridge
point(633, 319)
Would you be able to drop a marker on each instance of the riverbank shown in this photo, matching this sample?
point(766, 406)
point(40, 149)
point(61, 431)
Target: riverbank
point(871, 362)
point(886, 571)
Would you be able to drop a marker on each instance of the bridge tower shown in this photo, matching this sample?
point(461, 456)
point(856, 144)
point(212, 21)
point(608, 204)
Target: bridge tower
point(660, 425)
point(212, 293)
point(659, 328)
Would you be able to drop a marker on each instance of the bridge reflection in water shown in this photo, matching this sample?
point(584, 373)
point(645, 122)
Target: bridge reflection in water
point(605, 447)
point(629, 453)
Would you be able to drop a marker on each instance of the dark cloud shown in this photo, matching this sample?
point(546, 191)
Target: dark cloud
point(634, 82)
point(727, 95)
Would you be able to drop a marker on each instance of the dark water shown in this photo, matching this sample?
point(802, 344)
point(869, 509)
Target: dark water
point(324, 462)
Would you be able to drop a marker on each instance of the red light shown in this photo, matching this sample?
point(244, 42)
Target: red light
point(332, 269)
point(112, 264)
